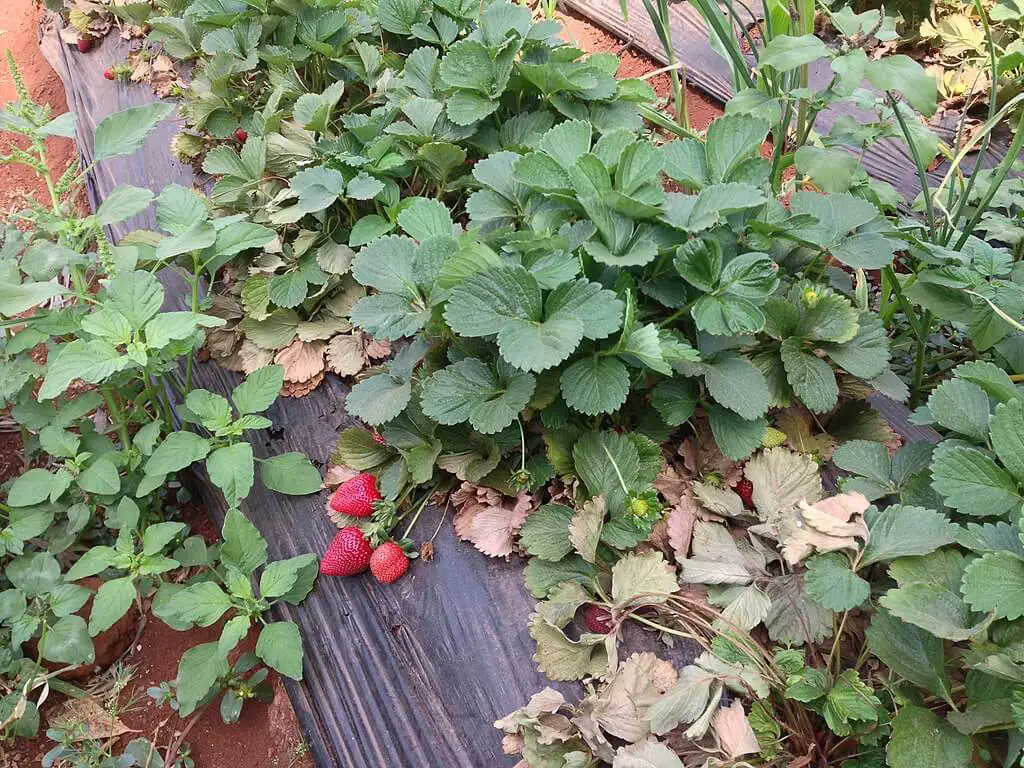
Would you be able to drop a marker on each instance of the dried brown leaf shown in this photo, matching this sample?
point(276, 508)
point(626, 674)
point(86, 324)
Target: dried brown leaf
point(487, 519)
point(346, 355)
point(301, 388)
point(680, 526)
point(302, 360)
point(377, 349)
point(96, 722)
point(734, 733)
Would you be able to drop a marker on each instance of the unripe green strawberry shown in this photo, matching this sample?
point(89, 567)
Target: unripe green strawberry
point(773, 438)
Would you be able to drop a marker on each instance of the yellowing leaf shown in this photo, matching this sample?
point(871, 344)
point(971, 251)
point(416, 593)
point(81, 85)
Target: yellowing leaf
point(585, 528)
point(642, 579)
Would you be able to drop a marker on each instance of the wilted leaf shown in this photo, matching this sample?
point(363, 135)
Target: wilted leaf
point(487, 519)
point(734, 733)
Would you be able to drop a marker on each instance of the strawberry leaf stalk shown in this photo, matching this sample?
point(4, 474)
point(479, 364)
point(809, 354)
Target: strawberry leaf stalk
point(521, 479)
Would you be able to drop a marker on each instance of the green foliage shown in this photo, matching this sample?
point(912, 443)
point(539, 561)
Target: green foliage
point(96, 418)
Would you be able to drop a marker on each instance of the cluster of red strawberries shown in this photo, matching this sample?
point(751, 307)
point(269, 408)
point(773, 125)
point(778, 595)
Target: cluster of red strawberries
point(350, 552)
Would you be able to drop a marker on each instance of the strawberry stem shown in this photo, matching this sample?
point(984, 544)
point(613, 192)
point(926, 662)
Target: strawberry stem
point(416, 516)
point(615, 466)
point(522, 443)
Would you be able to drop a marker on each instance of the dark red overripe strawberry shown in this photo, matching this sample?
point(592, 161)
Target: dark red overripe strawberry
point(241, 134)
point(348, 554)
point(109, 74)
point(597, 619)
point(388, 562)
point(84, 44)
point(356, 496)
point(745, 490)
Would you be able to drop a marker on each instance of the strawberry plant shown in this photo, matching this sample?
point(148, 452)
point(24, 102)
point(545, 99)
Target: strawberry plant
point(92, 371)
point(622, 357)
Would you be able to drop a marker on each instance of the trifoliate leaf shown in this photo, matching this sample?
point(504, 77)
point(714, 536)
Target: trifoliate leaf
point(595, 385)
point(935, 609)
point(545, 533)
point(601, 459)
point(961, 406)
point(563, 659)
point(635, 575)
point(737, 384)
point(794, 618)
point(470, 390)
point(921, 739)
point(811, 378)
point(900, 531)
point(735, 436)
point(971, 482)
point(831, 583)
point(532, 335)
point(910, 652)
point(995, 583)
point(684, 702)
point(1007, 427)
point(675, 400)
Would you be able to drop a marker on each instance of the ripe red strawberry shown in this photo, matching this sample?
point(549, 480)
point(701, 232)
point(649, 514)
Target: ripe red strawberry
point(356, 496)
point(597, 619)
point(388, 562)
point(378, 438)
point(348, 554)
point(241, 135)
point(745, 489)
point(84, 43)
point(109, 74)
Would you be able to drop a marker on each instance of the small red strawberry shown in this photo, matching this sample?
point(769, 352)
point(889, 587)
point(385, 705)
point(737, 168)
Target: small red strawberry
point(347, 555)
point(109, 74)
point(241, 135)
point(745, 490)
point(597, 619)
point(378, 438)
point(388, 562)
point(356, 496)
point(84, 43)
